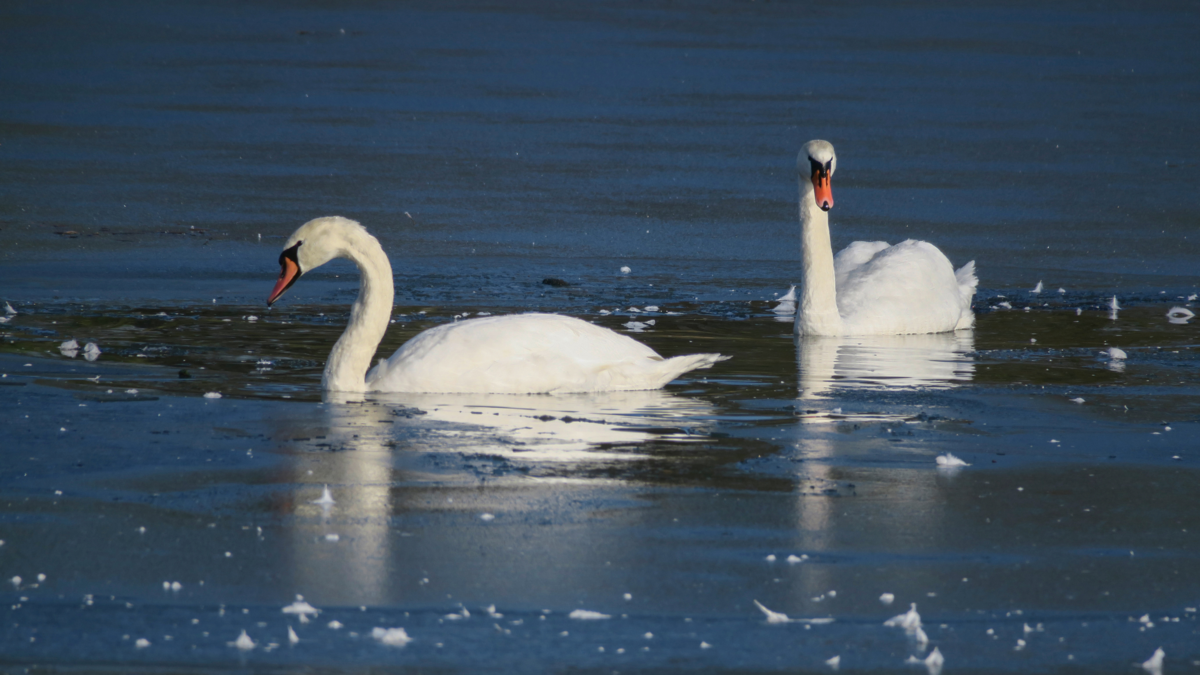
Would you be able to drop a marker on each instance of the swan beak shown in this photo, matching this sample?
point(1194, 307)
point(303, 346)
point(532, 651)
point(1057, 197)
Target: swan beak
point(288, 274)
point(823, 191)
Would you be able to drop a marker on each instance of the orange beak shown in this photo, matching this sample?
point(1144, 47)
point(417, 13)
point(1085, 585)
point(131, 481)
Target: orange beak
point(823, 191)
point(288, 274)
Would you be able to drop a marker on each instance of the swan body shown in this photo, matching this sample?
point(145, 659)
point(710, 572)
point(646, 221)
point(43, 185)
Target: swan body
point(516, 354)
point(871, 288)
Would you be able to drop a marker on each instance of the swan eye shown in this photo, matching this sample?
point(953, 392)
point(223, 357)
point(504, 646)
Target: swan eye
point(819, 169)
point(291, 254)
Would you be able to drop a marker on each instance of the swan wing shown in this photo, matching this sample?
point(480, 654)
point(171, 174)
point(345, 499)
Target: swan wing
point(524, 354)
point(850, 259)
point(907, 288)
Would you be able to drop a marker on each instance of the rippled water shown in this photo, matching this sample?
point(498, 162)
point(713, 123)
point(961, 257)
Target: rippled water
point(155, 158)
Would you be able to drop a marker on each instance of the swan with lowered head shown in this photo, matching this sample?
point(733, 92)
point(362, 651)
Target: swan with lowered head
point(871, 288)
point(515, 354)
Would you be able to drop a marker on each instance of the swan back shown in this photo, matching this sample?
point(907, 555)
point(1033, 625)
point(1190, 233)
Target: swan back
point(527, 354)
point(907, 288)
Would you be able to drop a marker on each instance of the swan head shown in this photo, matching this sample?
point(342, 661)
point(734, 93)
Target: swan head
point(315, 243)
point(818, 161)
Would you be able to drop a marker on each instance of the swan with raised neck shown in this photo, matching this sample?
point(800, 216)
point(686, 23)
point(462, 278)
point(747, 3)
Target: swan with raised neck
point(514, 354)
point(870, 288)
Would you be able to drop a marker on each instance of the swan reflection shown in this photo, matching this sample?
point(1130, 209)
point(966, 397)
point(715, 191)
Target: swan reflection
point(552, 428)
point(350, 551)
point(874, 362)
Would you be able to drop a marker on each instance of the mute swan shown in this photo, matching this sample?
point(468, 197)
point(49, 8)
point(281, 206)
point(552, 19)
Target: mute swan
point(871, 288)
point(516, 354)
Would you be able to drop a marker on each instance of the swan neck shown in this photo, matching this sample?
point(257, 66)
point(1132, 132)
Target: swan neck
point(351, 357)
point(817, 313)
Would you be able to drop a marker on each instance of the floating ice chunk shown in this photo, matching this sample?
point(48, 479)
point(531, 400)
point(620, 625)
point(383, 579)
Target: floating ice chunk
point(625, 269)
point(651, 308)
point(1036, 289)
point(213, 394)
point(392, 637)
point(91, 351)
point(335, 625)
point(1113, 304)
point(141, 643)
point(909, 620)
point(131, 392)
point(332, 536)
point(301, 607)
point(787, 304)
point(705, 645)
point(793, 559)
point(587, 615)
point(1116, 353)
point(252, 318)
point(1192, 297)
point(8, 309)
point(887, 598)
point(1062, 291)
point(636, 326)
point(41, 577)
point(69, 349)
point(1154, 664)
point(605, 312)
point(244, 642)
point(772, 617)
point(326, 499)
point(487, 517)
point(1180, 315)
point(1006, 304)
point(835, 662)
point(920, 637)
point(1078, 400)
point(15, 581)
point(292, 637)
point(770, 557)
point(949, 461)
point(1078, 311)
point(934, 661)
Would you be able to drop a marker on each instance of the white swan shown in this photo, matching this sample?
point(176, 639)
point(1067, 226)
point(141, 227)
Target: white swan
point(871, 288)
point(517, 354)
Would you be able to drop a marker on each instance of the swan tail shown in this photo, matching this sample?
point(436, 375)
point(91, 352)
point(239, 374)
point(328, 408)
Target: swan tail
point(967, 281)
point(669, 369)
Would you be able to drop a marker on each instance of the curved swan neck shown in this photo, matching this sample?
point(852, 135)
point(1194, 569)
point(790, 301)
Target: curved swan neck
point(817, 313)
point(351, 357)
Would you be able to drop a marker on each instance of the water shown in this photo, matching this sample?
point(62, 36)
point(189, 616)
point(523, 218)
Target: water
point(156, 157)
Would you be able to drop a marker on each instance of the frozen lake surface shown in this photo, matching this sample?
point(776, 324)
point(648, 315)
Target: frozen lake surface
point(155, 157)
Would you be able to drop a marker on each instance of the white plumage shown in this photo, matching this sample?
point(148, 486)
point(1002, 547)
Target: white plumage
point(516, 354)
point(871, 288)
